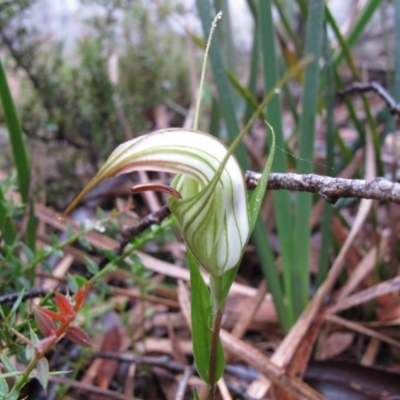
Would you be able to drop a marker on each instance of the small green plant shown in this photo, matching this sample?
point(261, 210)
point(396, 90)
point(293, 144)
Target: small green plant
point(36, 349)
point(19, 258)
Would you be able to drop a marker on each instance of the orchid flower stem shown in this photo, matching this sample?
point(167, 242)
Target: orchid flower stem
point(218, 311)
point(203, 71)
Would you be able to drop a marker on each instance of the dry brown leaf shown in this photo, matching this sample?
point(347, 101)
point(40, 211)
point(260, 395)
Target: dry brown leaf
point(336, 343)
point(354, 326)
point(111, 342)
point(371, 352)
point(374, 292)
point(363, 269)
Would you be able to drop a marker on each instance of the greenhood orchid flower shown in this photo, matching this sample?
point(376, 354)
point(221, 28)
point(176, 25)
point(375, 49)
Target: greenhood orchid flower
point(210, 205)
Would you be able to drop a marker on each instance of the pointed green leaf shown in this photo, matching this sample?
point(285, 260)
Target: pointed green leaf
point(92, 267)
point(42, 372)
point(28, 253)
point(3, 387)
point(259, 192)
point(29, 352)
point(17, 302)
point(72, 284)
point(7, 363)
point(300, 275)
point(13, 396)
point(201, 309)
point(34, 338)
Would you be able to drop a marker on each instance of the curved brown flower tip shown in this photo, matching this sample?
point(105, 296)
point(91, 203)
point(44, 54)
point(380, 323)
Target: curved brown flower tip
point(156, 187)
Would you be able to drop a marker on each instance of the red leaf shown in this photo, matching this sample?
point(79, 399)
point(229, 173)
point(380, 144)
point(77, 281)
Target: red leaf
point(78, 336)
point(63, 304)
point(52, 314)
point(81, 295)
point(44, 322)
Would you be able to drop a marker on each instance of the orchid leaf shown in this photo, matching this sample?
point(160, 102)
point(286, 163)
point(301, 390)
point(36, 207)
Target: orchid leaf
point(195, 394)
point(201, 311)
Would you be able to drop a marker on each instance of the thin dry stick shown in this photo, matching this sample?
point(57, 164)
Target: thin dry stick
point(360, 87)
point(183, 383)
point(386, 287)
point(365, 267)
point(354, 326)
point(331, 189)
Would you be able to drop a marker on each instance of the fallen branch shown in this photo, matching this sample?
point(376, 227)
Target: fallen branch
point(330, 188)
point(360, 87)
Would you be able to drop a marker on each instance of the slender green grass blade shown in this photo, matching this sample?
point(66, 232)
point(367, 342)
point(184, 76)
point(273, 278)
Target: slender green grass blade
point(224, 91)
point(253, 7)
point(225, 31)
point(385, 116)
point(19, 155)
point(8, 232)
point(246, 94)
point(356, 75)
point(396, 91)
point(270, 271)
point(300, 271)
point(288, 27)
point(329, 162)
point(254, 60)
point(213, 124)
point(16, 136)
point(303, 8)
point(253, 105)
point(195, 394)
point(386, 33)
point(291, 104)
point(358, 27)
point(339, 84)
point(274, 117)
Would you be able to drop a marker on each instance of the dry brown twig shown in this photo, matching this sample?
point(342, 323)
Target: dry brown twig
point(330, 188)
point(361, 87)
